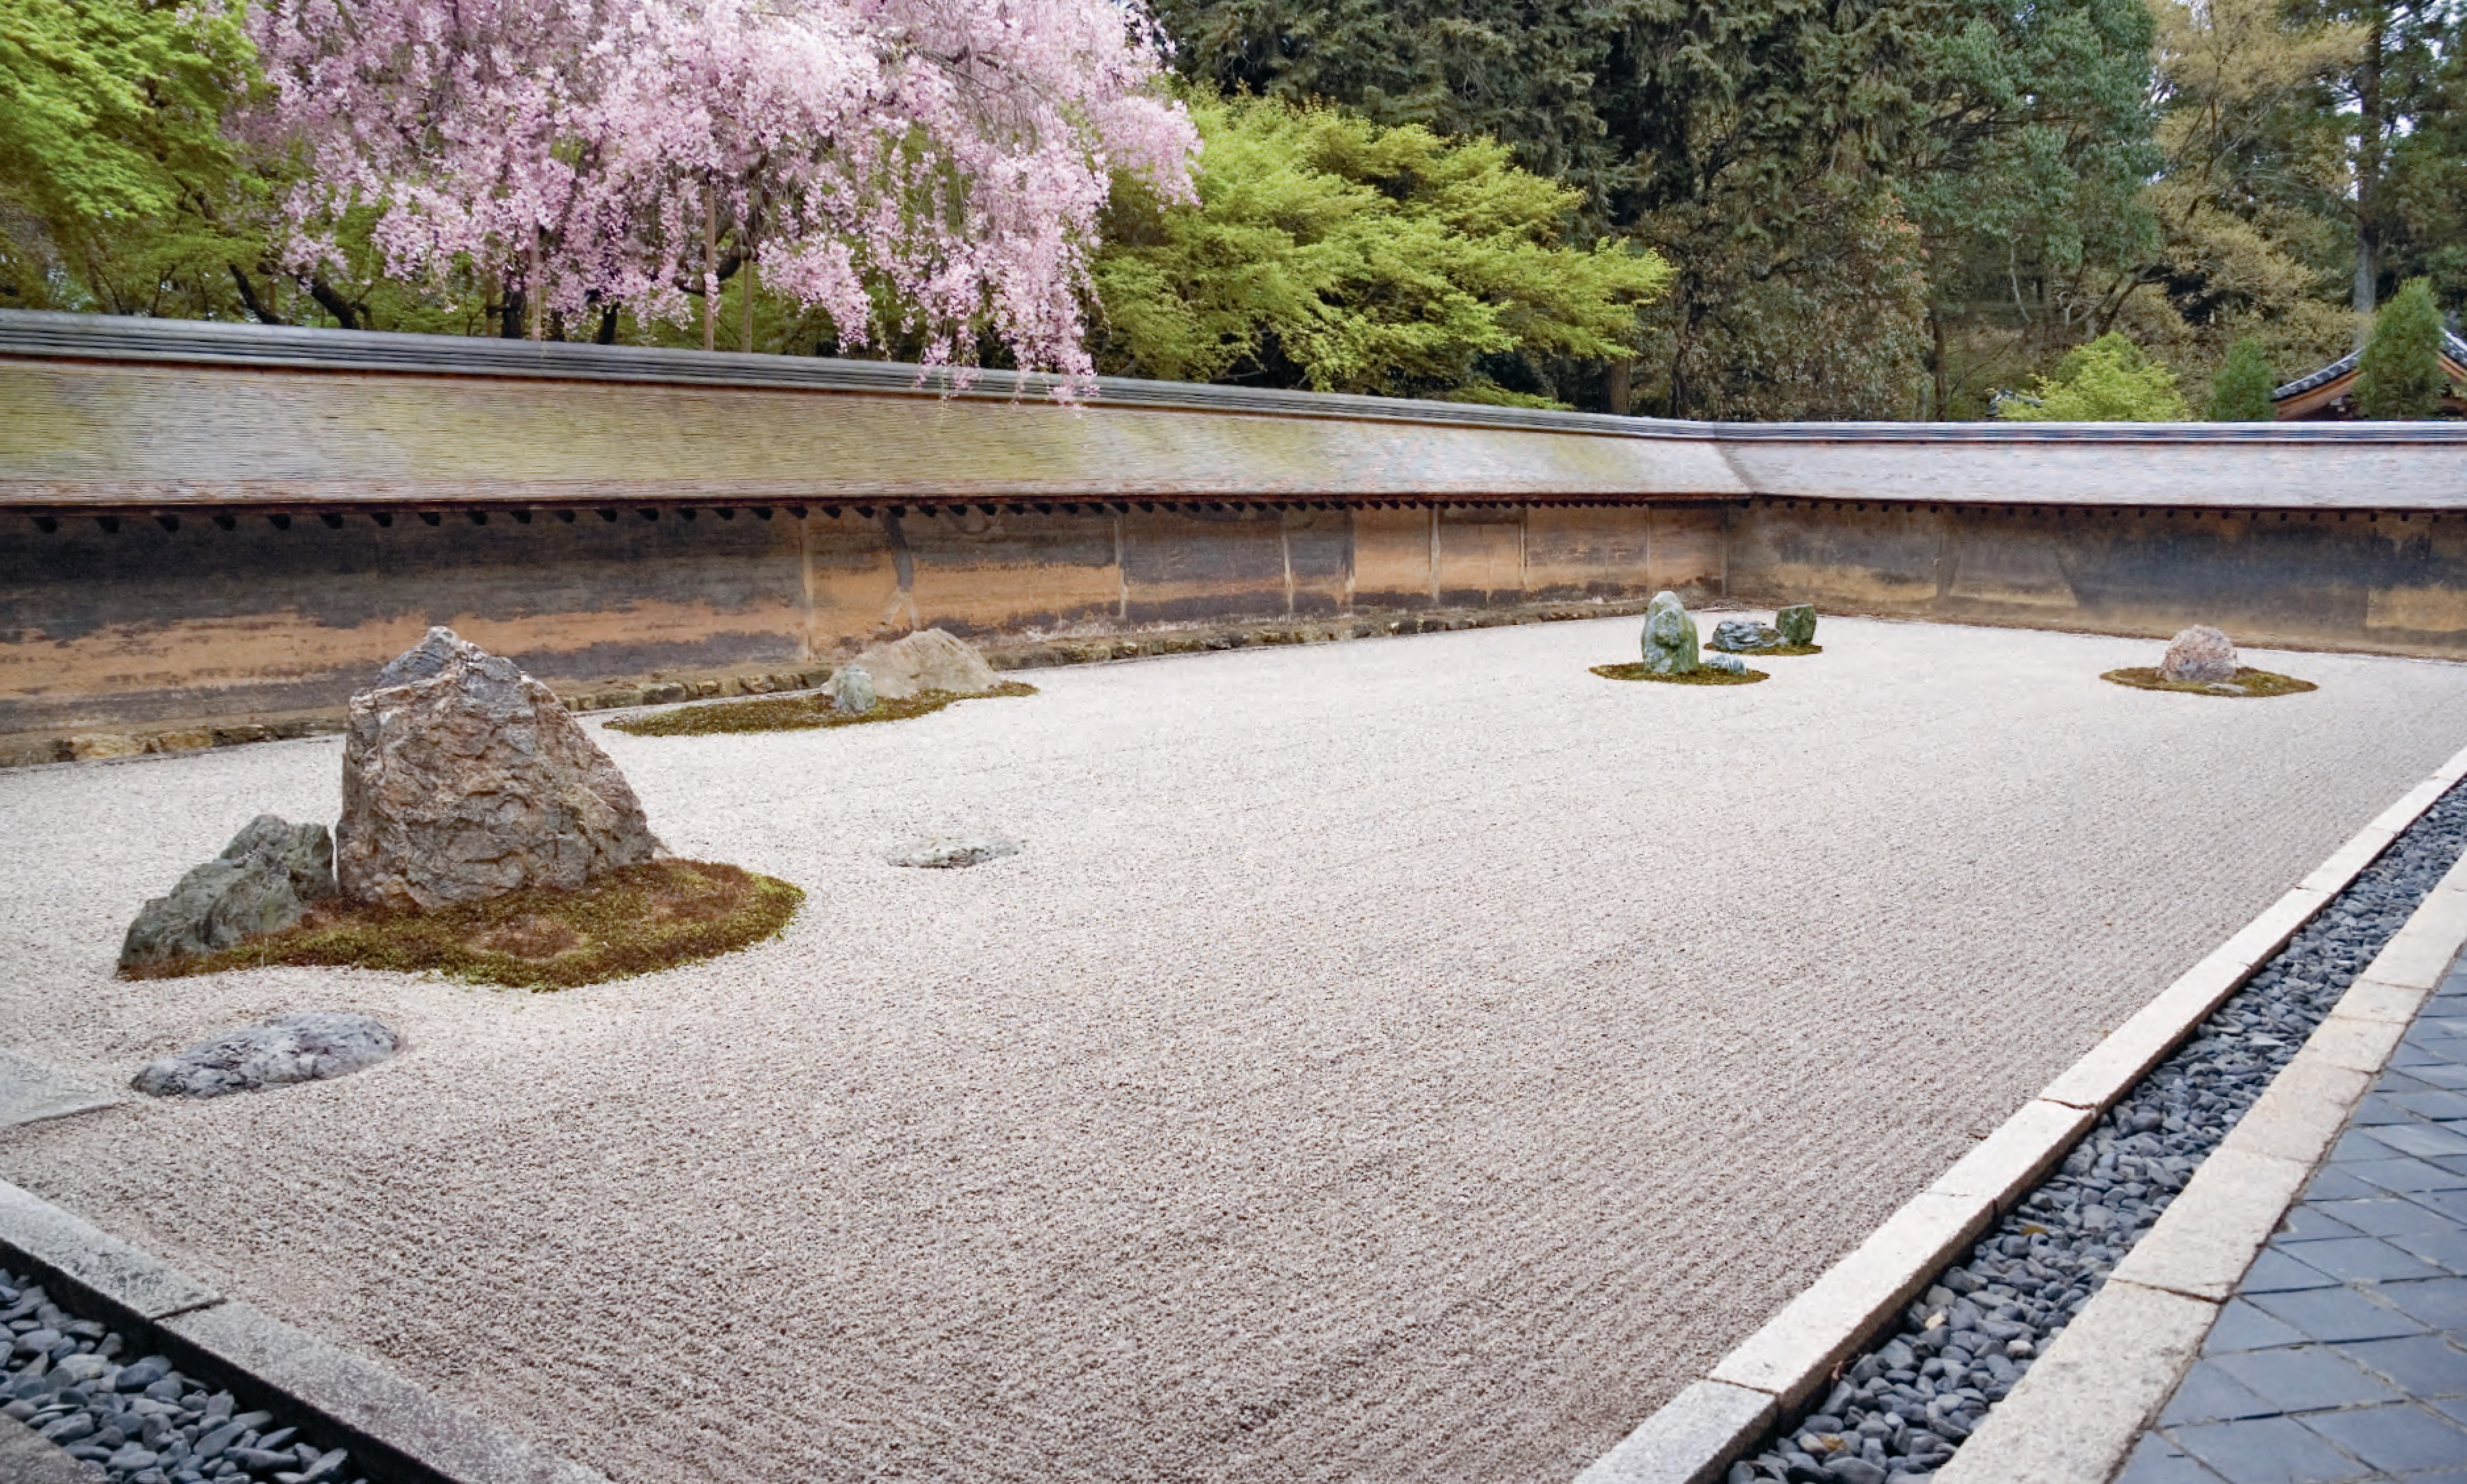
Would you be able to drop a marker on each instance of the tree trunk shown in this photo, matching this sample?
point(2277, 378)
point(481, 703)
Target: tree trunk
point(1618, 385)
point(745, 335)
point(532, 291)
point(709, 269)
point(1942, 378)
point(2370, 135)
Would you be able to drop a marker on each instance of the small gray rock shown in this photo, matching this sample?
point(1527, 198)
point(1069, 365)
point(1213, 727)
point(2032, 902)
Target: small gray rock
point(1728, 664)
point(1742, 635)
point(305, 1047)
point(2200, 653)
point(852, 690)
point(261, 883)
point(951, 851)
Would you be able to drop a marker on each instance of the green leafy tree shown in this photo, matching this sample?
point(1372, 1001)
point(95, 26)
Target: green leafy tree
point(119, 190)
point(2240, 392)
point(2108, 380)
point(2400, 375)
point(1332, 253)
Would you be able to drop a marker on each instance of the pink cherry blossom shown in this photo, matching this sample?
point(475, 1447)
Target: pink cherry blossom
point(927, 166)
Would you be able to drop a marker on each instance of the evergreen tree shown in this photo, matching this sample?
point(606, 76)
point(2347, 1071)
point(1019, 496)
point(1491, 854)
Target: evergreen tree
point(2399, 376)
point(2240, 392)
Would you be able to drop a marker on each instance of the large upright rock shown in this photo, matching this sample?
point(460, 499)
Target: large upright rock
point(261, 883)
point(1797, 624)
point(465, 779)
point(929, 659)
point(1670, 636)
point(2200, 653)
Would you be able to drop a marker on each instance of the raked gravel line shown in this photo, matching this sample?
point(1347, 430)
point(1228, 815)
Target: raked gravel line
point(1409, 1059)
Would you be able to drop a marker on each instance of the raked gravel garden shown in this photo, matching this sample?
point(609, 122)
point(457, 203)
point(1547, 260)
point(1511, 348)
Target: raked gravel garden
point(1408, 1058)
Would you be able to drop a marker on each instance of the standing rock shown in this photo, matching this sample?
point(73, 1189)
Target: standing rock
point(929, 659)
point(2200, 653)
point(261, 883)
point(465, 779)
point(852, 690)
point(1670, 636)
point(305, 1047)
point(1741, 636)
point(1797, 624)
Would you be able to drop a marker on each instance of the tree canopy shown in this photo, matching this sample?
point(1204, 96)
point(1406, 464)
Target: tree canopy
point(2399, 376)
point(2108, 380)
point(2240, 392)
point(1331, 252)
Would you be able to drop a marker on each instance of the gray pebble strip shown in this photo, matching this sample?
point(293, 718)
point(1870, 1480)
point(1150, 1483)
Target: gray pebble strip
point(141, 1421)
point(1901, 1409)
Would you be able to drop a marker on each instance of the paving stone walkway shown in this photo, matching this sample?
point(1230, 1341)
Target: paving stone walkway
point(2344, 1355)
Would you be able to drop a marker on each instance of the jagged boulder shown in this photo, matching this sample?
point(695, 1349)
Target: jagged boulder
point(1670, 636)
point(928, 660)
point(2200, 653)
point(1745, 636)
point(465, 779)
point(1797, 624)
point(304, 1047)
point(852, 690)
point(261, 883)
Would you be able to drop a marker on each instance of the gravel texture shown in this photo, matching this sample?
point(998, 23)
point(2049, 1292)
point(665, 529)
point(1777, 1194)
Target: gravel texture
point(138, 1418)
point(1903, 1408)
point(1368, 1074)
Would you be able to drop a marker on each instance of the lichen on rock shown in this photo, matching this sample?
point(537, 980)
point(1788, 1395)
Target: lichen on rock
point(1670, 636)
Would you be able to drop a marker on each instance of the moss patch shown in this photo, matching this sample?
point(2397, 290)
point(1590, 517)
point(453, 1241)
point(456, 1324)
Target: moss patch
point(2248, 682)
point(808, 711)
point(1702, 677)
point(1776, 652)
point(638, 920)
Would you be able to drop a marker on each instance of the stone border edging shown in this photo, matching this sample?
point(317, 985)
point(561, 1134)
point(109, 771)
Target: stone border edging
point(1692, 1437)
point(2075, 1417)
point(396, 1432)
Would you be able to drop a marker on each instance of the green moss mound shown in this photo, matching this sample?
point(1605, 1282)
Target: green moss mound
point(637, 920)
point(1702, 677)
point(807, 712)
point(2249, 683)
point(1776, 652)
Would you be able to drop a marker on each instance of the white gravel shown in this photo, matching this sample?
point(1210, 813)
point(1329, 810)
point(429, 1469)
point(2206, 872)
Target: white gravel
point(1398, 1060)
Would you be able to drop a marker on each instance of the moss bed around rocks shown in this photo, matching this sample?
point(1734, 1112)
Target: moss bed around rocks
point(637, 920)
point(807, 711)
point(2248, 682)
point(1776, 652)
point(1699, 677)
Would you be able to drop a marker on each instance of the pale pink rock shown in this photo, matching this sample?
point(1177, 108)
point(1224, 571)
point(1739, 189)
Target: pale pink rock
point(2200, 653)
point(465, 779)
point(930, 660)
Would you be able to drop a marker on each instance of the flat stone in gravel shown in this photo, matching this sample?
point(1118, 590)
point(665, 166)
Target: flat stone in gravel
point(304, 1047)
point(950, 851)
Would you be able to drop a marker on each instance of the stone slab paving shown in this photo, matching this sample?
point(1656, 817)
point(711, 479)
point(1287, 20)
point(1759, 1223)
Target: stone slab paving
point(2343, 1356)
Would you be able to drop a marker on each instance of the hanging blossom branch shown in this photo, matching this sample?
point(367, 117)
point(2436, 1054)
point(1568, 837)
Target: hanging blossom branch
point(932, 168)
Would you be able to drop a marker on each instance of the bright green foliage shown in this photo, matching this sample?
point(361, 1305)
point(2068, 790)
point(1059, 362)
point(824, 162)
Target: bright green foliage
point(2400, 375)
point(2240, 392)
point(1331, 252)
point(2109, 380)
point(113, 164)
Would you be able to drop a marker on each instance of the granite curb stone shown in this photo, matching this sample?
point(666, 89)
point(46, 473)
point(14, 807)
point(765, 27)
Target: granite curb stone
point(396, 1431)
